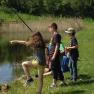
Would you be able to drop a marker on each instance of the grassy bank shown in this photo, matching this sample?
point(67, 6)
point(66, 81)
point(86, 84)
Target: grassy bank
point(13, 28)
point(85, 83)
point(8, 16)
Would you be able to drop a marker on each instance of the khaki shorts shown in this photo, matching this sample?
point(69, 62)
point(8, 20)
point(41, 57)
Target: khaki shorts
point(34, 64)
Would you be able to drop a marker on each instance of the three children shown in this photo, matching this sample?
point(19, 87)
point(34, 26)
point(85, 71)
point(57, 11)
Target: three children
point(74, 53)
point(37, 42)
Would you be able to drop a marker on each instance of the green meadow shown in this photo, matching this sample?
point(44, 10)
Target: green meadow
point(85, 83)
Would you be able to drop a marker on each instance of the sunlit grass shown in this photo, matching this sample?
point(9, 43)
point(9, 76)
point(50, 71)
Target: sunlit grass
point(85, 83)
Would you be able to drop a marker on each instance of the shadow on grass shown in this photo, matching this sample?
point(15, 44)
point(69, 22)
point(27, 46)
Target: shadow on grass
point(71, 92)
point(85, 76)
point(77, 92)
point(84, 79)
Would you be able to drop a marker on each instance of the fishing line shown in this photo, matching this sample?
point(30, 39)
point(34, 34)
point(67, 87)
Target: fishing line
point(13, 9)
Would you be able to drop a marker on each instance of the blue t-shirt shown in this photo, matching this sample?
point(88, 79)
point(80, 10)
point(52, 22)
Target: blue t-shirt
point(74, 53)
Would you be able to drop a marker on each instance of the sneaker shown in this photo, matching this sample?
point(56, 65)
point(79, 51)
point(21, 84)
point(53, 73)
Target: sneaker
point(53, 85)
point(74, 80)
point(63, 84)
point(28, 82)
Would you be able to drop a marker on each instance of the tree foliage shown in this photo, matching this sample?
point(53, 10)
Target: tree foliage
point(83, 8)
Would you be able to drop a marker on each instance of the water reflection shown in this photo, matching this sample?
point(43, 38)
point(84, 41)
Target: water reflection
point(9, 72)
point(16, 52)
point(12, 70)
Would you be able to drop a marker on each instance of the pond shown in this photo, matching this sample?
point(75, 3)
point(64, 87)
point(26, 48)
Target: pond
point(10, 54)
point(9, 72)
point(11, 57)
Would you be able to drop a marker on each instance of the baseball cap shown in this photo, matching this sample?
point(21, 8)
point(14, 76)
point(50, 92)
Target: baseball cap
point(70, 30)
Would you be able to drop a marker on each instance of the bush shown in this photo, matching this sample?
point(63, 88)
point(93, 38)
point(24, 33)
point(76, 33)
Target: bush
point(83, 8)
point(53, 7)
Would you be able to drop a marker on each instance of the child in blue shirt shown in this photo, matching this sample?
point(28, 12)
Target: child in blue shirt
point(74, 53)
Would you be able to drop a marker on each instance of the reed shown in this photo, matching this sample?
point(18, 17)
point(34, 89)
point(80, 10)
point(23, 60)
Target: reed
point(17, 30)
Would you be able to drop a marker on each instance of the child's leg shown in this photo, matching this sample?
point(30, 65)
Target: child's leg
point(47, 73)
point(25, 66)
point(75, 70)
point(61, 76)
point(54, 71)
point(71, 67)
point(40, 79)
point(60, 73)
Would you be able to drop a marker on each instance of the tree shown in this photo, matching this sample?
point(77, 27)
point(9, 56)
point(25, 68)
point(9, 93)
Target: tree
point(83, 8)
point(53, 7)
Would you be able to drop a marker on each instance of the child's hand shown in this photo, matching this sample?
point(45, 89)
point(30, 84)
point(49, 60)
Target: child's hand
point(62, 52)
point(12, 42)
point(53, 57)
point(67, 48)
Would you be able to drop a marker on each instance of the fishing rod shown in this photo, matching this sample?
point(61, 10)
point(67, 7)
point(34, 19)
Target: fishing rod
point(13, 9)
point(24, 22)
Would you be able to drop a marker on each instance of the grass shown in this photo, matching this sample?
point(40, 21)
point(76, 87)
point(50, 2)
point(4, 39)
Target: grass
point(85, 83)
point(8, 15)
point(13, 28)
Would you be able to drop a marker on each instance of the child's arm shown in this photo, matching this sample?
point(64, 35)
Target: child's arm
point(73, 47)
point(74, 44)
point(27, 43)
point(55, 52)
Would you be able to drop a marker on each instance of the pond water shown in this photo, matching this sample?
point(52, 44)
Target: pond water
point(9, 72)
point(12, 53)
